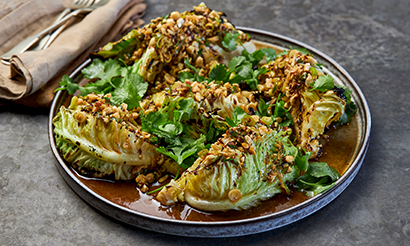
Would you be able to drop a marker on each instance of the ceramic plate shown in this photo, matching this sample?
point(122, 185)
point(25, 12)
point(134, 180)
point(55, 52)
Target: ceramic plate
point(272, 214)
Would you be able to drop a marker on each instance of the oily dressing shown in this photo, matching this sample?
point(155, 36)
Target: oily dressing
point(338, 150)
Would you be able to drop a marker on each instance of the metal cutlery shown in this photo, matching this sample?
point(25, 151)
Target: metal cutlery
point(87, 7)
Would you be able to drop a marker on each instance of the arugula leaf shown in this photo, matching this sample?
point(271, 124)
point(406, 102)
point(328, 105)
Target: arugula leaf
point(323, 83)
point(270, 54)
point(229, 41)
point(318, 178)
point(237, 116)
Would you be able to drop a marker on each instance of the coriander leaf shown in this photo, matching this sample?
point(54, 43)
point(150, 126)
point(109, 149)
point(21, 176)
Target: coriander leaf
point(347, 93)
point(323, 83)
point(301, 161)
point(67, 83)
point(259, 71)
point(130, 90)
point(235, 62)
point(155, 123)
point(219, 73)
point(257, 56)
point(184, 150)
point(318, 178)
point(270, 54)
point(350, 111)
point(213, 133)
point(186, 75)
point(185, 110)
point(313, 71)
point(94, 70)
point(229, 41)
point(105, 71)
point(302, 50)
point(283, 53)
point(319, 65)
point(321, 169)
point(242, 72)
point(262, 108)
point(253, 58)
point(281, 112)
point(253, 83)
point(237, 116)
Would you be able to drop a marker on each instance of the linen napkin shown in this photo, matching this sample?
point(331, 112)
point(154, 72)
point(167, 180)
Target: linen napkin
point(33, 76)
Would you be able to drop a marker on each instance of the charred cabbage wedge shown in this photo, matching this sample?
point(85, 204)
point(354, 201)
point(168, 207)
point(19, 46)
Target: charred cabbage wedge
point(231, 176)
point(313, 100)
point(102, 144)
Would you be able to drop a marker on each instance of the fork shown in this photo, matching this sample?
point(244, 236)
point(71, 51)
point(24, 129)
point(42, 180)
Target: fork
point(49, 38)
point(37, 37)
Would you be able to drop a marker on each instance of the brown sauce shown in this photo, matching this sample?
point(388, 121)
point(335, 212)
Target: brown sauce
point(338, 151)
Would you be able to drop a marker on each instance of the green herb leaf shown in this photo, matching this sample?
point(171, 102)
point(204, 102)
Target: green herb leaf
point(323, 83)
point(319, 65)
point(229, 41)
point(235, 62)
point(67, 83)
point(237, 116)
point(350, 111)
point(304, 51)
point(318, 178)
point(262, 108)
point(187, 75)
point(302, 161)
point(270, 54)
point(283, 113)
point(184, 150)
point(130, 91)
point(219, 73)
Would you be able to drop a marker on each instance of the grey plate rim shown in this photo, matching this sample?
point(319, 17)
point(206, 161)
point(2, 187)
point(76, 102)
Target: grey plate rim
point(223, 228)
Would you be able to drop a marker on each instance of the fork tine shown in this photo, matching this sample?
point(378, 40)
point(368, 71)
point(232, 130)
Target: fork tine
point(89, 3)
point(75, 2)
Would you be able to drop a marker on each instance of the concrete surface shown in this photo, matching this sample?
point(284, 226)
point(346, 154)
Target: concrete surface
point(369, 38)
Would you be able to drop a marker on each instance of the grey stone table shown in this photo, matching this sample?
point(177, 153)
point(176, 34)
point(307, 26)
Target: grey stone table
point(370, 39)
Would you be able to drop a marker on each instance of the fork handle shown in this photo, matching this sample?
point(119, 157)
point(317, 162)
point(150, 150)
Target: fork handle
point(30, 41)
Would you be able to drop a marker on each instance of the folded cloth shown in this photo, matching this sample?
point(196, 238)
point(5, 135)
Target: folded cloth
point(33, 76)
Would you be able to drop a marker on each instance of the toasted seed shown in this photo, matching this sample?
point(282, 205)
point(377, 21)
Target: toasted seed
point(163, 178)
point(234, 195)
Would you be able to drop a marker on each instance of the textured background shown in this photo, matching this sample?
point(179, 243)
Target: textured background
point(370, 39)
